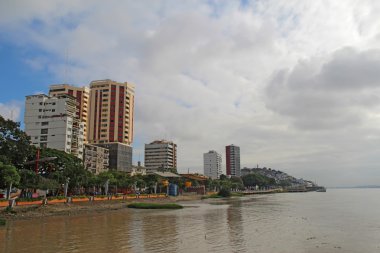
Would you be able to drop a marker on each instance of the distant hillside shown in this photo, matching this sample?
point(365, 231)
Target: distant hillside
point(280, 177)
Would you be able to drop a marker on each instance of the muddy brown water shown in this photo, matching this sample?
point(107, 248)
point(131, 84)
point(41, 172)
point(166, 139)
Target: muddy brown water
point(340, 220)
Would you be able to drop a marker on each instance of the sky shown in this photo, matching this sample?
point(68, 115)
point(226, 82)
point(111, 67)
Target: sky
point(294, 83)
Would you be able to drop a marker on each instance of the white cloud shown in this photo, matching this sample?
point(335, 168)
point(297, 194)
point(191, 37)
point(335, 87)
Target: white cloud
point(272, 76)
point(11, 110)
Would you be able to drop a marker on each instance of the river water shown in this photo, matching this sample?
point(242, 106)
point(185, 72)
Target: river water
point(340, 220)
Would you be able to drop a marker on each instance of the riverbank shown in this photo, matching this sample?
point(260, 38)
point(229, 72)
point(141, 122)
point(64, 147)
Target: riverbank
point(63, 209)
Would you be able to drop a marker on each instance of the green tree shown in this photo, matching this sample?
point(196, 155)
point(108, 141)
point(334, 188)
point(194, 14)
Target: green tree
point(47, 184)
point(223, 177)
point(225, 184)
point(105, 177)
point(8, 177)
point(65, 166)
point(15, 145)
point(237, 183)
point(28, 179)
point(257, 179)
point(151, 181)
point(138, 181)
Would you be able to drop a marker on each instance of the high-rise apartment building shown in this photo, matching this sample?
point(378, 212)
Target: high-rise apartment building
point(212, 164)
point(111, 112)
point(161, 154)
point(52, 122)
point(233, 160)
point(81, 94)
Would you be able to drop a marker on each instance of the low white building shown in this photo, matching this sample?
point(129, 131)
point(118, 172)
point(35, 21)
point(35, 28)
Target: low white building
point(212, 164)
point(52, 122)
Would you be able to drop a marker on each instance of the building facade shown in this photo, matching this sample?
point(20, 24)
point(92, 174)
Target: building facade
point(212, 164)
point(161, 154)
point(81, 94)
point(111, 112)
point(95, 159)
point(52, 122)
point(120, 156)
point(233, 160)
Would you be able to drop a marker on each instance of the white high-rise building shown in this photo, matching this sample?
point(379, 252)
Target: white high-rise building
point(81, 94)
point(52, 122)
point(212, 164)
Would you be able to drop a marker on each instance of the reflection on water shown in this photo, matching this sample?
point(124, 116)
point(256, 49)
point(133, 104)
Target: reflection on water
point(336, 221)
point(235, 227)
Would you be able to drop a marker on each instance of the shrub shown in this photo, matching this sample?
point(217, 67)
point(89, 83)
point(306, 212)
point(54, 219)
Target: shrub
point(2, 221)
point(56, 197)
point(79, 197)
point(101, 196)
point(28, 199)
point(154, 206)
point(224, 193)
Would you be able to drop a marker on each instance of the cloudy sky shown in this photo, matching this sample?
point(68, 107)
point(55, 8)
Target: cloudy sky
point(294, 83)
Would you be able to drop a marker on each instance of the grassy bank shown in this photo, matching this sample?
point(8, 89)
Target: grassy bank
point(155, 206)
point(237, 194)
point(228, 195)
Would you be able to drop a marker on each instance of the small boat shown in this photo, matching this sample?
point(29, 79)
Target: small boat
point(321, 189)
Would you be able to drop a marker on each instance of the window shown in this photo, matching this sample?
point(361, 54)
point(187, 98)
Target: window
point(43, 138)
point(44, 131)
point(53, 110)
point(44, 123)
point(40, 110)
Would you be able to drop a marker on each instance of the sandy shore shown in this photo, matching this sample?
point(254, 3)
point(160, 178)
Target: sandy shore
point(31, 212)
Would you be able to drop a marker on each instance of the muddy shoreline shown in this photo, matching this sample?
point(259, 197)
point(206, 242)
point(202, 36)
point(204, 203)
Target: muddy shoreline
point(64, 209)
